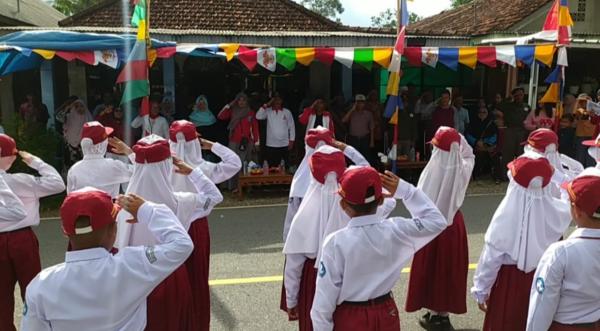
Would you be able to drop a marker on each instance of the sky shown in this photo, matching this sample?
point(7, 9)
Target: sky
point(359, 12)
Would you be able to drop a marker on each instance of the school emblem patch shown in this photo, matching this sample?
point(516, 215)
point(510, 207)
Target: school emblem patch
point(150, 254)
point(322, 270)
point(539, 285)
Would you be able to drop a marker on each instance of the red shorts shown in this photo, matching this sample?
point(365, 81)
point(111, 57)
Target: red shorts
point(19, 263)
point(382, 316)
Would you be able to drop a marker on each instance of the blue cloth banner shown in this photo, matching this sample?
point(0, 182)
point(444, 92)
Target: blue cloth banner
point(525, 54)
point(449, 57)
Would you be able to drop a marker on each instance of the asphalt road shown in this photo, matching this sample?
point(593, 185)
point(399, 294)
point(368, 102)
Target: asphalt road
point(246, 265)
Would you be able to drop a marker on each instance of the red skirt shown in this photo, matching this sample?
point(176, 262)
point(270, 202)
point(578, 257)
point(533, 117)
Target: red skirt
point(564, 327)
point(170, 304)
point(508, 304)
point(198, 267)
point(438, 277)
point(308, 285)
point(377, 317)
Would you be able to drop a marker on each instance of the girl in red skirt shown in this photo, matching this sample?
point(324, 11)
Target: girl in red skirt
point(187, 146)
point(527, 221)
point(169, 305)
point(438, 278)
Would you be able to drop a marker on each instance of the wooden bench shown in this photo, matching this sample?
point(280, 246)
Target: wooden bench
point(262, 180)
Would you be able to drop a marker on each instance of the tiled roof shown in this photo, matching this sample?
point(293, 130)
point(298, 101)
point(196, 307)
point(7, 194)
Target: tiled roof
point(479, 17)
point(30, 12)
point(221, 15)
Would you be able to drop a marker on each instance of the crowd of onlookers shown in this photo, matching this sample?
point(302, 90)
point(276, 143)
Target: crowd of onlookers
point(260, 128)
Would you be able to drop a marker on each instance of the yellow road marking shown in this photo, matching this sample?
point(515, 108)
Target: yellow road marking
point(274, 279)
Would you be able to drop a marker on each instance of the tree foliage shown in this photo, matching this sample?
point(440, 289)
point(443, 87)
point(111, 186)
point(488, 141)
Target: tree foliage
point(328, 8)
point(457, 3)
point(387, 19)
point(70, 7)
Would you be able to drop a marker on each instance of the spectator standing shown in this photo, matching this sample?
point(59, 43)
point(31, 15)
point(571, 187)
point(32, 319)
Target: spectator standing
point(154, 123)
point(107, 101)
point(423, 109)
point(361, 133)
point(584, 130)
point(482, 135)
point(407, 128)
point(73, 117)
point(243, 131)
point(281, 131)
point(514, 114)
point(338, 111)
point(33, 112)
point(317, 115)
point(376, 108)
point(204, 120)
point(443, 115)
point(540, 118)
point(569, 104)
point(461, 115)
point(566, 135)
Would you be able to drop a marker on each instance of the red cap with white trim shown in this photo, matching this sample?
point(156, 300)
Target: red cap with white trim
point(186, 127)
point(96, 132)
point(445, 137)
point(325, 160)
point(356, 182)
point(151, 149)
point(524, 170)
point(8, 147)
point(91, 203)
point(540, 139)
point(585, 194)
point(313, 136)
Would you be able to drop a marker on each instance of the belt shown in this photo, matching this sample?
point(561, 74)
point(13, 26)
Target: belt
point(592, 325)
point(371, 302)
point(17, 230)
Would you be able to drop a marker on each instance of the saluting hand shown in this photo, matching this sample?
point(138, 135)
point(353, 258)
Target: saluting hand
point(131, 203)
point(338, 144)
point(118, 146)
point(483, 306)
point(390, 182)
point(181, 167)
point(206, 144)
point(26, 157)
point(293, 314)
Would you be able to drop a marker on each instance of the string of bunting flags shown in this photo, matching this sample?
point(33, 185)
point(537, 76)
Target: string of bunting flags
point(288, 58)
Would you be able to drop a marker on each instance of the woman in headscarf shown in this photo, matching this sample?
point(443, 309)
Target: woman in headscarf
point(438, 277)
point(204, 119)
point(73, 117)
point(482, 135)
point(243, 131)
point(526, 223)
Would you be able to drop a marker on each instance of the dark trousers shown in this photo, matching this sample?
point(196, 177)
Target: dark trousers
point(274, 156)
point(362, 145)
point(513, 137)
point(483, 163)
point(581, 153)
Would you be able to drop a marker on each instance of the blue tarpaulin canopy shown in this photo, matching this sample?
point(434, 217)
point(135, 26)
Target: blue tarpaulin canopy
point(73, 41)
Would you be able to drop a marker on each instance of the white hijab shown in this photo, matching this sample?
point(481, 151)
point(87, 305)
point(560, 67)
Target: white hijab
point(569, 167)
point(74, 123)
point(446, 177)
point(594, 152)
point(302, 176)
point(152, 181)
point(191, 153)
point(527, 222)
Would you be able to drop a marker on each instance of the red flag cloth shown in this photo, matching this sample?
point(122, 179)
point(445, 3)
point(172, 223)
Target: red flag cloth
point(85, 57)
point(551, 22)
point(138, 70)
point(248, 57)
point(564, 35)
point(145, 107)
point(399, 47)
point(325, 55)
point(487, 56)
point(413, 55)
point(165, 52)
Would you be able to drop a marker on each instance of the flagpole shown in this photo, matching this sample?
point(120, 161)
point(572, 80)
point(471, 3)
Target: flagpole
point(395, 142)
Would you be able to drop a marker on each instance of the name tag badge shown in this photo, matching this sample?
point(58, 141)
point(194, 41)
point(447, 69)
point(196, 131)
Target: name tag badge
point(540, 286)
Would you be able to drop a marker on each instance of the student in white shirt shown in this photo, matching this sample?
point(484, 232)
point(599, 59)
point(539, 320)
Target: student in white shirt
point(565, 294)
point(361, 263)
point(545, 143)
point(11, 208)
point(187, 146)
point(281, 131)
point(94, 170)
point(21, 258)
point(153, 123)
point(94, 290)
point(439, 271)
point(527, 221)
point(170, 305)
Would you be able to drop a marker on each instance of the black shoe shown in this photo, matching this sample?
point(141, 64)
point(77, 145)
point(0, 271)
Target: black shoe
point(435, 323)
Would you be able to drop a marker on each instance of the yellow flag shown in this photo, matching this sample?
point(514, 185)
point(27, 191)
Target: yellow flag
point(230, 50)
point(48, 55)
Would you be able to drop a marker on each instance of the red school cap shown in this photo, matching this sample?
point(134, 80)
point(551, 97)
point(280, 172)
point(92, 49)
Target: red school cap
point(356, 181)
point(313, 136)
point(151, 149)
point(444, 138)
point(96, 132)
point(95, 204)
point(325, 160)
point(8, 146)
point(525, 169)
point(186, 127)
point(585, 194)
point(540, 139)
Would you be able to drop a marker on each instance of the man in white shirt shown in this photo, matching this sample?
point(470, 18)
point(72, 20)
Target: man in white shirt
point(20, 257)
point(361, 263)
point(95, 170)
point(153, 123)
point(95, 290)
point(281, 131)
point(565, 294)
